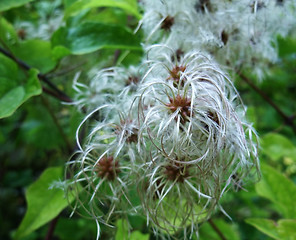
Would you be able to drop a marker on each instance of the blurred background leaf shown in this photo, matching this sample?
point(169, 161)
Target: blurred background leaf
point(129, 6)
point(15, 92)
point(44, 200)
point(278, 189)
point(8, 4)
point(92, 36)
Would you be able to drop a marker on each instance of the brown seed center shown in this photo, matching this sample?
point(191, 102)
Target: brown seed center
point(167, 23)
point(181, 104)
point(176, 172)
point(131, 133)
point(175, 74)
point(108, 168)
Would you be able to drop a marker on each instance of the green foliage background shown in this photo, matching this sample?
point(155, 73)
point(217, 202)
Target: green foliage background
point(37, 132)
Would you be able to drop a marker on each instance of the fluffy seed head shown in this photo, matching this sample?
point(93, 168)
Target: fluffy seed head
point(167, 23)
point(128, 130)
point(132, 80)
point(175, 74)
point(176, 172)
point(181, 104)
point(108, 168)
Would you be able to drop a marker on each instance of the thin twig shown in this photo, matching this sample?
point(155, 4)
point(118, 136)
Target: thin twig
point(289, 120)
point(54, 94)
point(40, 76)
point(56, 122)
point(51, 228)
point(116, 56)
point(52, 224)
point(65, 71)
point(216, 229)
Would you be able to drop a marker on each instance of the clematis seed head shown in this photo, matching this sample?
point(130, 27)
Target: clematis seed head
point(108, 168)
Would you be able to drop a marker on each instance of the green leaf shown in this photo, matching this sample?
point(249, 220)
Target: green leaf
point(106, 15)
point(287, 229)
point(36, 53)
point(38, 122)
point(8, 75)
point(287, 46)
point(8, 4)
point(284, 229)
point(75, 228)
point(229, 231)
point(14, 94)
point(128, 6)
point(122, 232)
point(44, 203)
point(137, 235)
point(252, 116)
point(11, 101)
point(278, 189)
point(91, 36)
point(277, 146)
point(8, 35)
point(68, 3)
point(267, 226)
point(59, 52)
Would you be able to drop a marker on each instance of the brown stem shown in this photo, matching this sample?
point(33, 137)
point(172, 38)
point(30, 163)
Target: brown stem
point(216, 229)
point(51, 228)
point(289, 120)
point(116, 56)
point(40, 76)
point(56, 122)
point(65, 71)
point(54, 94)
